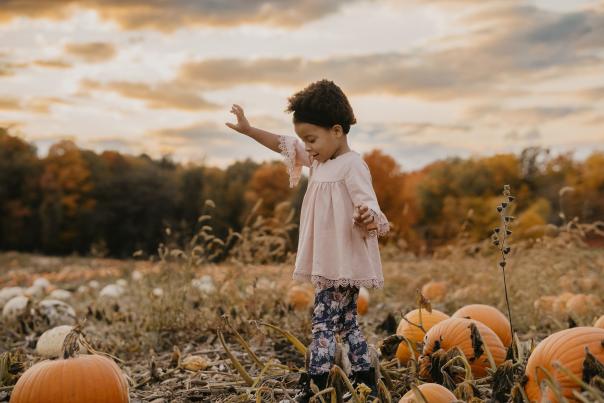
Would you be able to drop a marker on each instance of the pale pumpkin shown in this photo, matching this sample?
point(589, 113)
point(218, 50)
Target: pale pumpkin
point(490, 316)
point(363, 301)
point(568, 348)
point(454, 332)
point(413, 333)
point(432, 392)
point(599, 322)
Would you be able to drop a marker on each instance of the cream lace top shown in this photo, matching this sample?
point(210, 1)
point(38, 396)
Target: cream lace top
point(332, 249)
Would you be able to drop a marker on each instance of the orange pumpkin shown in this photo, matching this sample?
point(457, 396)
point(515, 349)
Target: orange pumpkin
point(600, 322)
point(86, 378)
point(456, 332)
point(300, 297)
point(363, 301)
point(433, 392)
point(413, 333)
point(435, 290)
point(568, 348)
point(578, 305)
point(490, 316)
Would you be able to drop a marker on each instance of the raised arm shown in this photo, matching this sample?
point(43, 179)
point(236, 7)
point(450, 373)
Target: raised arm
point(267, 139)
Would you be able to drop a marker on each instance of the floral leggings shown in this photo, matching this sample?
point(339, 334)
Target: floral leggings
point(335, 310)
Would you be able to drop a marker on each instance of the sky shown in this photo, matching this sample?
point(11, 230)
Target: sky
point(427, 79)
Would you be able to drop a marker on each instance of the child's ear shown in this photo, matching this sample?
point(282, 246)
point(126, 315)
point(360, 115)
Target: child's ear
point(338, 131)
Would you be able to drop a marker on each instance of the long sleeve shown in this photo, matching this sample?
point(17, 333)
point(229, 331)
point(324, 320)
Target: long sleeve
point(295, 156)
point(360, 188)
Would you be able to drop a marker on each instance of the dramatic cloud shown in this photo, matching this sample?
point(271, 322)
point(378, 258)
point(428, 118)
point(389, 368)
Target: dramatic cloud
point(155, 96)
point(168, 16)
point(93, 52)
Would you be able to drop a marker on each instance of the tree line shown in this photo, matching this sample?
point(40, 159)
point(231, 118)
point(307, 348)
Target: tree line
point(77, 201)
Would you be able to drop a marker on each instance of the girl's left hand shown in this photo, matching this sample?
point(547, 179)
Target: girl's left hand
point(362, 216)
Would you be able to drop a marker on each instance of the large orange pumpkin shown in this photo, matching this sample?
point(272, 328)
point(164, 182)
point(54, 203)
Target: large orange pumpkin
point(490, 316)
point(433, 392)
point(456, 332)
point(413, 333)
point(82, 379)
point(568, 348)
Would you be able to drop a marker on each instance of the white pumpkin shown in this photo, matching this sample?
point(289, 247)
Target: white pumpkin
point(41, 282)
point(122, 283)
point(137, 275)
point(34, 291)
point(55, 312)
point(14, 308)
point(94, 284)
point(50, 344)
point(158, 292)
point(8, 293)
point(62, 295)
point(205, 284)
point(112, 291)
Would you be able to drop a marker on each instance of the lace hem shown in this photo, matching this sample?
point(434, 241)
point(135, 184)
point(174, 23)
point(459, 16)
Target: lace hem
point(288, 151)
point(383, 226)
point(322, 282)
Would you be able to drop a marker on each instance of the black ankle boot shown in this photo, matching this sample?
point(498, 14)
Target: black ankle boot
point(368, 378)
point(305, 391)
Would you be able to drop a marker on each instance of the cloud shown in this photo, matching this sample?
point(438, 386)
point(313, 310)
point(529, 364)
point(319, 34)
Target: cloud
point(522, 116)
point(52, 63)
point(528, 135)
point(91, 52)
point(39, 105)
point(168, 16)
point(158, 96)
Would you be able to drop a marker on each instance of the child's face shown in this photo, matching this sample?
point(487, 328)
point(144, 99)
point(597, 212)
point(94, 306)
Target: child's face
point(319, 142)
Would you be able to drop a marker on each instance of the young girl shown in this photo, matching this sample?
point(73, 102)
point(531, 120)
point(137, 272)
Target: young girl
point(340, 221)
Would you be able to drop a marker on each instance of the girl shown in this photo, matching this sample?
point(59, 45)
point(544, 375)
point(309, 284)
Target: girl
point(340, 221)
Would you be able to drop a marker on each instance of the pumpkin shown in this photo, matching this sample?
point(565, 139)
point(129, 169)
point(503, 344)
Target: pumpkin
point(568, 348)
point(600, 322)
point(50, 344)
point(433, 392)
point(300, 297)
point(75, 379)
point(578, 305)
point(454, 332)
point(435, 290)
point(363, 301)
point(490, 316)
point(413, 333)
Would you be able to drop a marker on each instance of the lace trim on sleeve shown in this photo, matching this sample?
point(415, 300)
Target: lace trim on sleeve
point(288, 151)
point(383, 226)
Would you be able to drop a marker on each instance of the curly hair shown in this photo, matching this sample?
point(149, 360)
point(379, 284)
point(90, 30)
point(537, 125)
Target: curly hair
point(322, 103)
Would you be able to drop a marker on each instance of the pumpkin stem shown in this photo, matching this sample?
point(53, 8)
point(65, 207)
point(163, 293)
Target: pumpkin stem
point(71, 345)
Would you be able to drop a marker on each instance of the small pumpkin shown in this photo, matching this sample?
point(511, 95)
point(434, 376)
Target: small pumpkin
point(363, 301)
point(413, 333)
point(300, 297)
point(578, 305)
point(432, 392)
point(435, 290)
point(568, 348)
point(456, 332)
point(490, 316)
point(599, 322)
point(75, 379)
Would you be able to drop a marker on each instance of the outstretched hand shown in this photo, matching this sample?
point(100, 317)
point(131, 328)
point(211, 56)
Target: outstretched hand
point(362, 216)
point(242, 126)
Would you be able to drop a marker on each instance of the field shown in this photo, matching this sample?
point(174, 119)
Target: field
point(159, 317)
